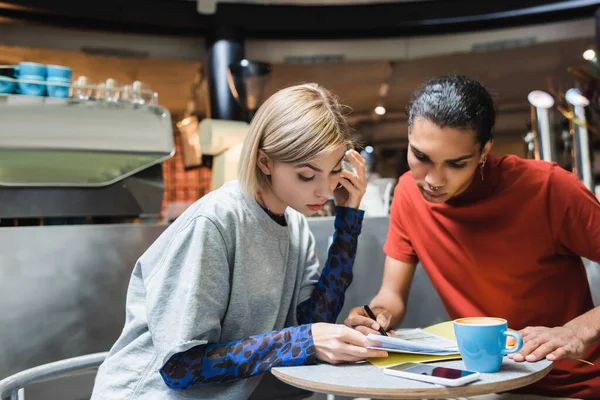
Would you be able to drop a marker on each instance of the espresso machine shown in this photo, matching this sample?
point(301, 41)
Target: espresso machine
point(81, 190)
point(67, 158)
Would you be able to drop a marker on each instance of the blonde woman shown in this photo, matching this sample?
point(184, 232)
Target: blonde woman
point(232, 287)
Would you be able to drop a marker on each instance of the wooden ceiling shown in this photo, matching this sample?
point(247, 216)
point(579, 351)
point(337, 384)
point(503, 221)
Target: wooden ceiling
point(511, 74)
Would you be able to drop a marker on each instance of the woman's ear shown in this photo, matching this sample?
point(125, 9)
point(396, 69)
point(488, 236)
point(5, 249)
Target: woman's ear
point(264, 163)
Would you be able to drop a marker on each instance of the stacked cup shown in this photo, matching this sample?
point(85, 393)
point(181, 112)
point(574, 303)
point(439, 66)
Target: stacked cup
point(7, 74)
point(59, 79)
point(28, 74)
point(34, 78)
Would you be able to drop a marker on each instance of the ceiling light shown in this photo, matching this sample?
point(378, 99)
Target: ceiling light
point(380, 110)
point(589, 54)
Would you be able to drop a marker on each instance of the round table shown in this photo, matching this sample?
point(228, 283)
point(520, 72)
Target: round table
point(366, 380)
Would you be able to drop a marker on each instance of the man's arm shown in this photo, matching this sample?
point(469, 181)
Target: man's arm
point(389, 305)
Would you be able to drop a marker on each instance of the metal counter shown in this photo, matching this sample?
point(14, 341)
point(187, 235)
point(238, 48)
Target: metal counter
point(63, 289)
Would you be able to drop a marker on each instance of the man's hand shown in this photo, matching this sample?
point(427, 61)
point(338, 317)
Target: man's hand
point(359, 320)
point(552, 343)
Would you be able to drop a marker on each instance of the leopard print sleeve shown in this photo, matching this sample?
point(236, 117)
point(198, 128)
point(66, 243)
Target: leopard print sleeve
point(327, 298)
point(217, 363)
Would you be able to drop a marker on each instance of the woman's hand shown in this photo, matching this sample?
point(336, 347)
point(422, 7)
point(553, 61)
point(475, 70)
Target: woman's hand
point(354, 184)
point(338, 343)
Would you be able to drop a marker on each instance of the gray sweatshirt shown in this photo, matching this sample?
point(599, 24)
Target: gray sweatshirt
point(224, 270)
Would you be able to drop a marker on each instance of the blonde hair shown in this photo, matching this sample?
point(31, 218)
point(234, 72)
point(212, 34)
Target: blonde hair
point(295, 125)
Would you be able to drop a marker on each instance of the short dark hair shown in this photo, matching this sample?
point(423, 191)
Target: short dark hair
point(455, 101)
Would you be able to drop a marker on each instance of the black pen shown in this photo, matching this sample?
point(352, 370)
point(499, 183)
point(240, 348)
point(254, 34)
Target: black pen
point(374, 318)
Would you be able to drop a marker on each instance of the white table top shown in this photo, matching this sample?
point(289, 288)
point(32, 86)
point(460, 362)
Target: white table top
point(367, 380)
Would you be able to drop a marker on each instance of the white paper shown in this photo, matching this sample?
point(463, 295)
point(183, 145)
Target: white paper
point(403, 351)
point(415, 341)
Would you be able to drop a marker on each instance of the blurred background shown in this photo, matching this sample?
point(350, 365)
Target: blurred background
point(373, 54)
point(115, 116)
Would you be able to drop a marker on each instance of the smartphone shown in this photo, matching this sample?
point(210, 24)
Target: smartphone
point(433, 374)
point(347, 165)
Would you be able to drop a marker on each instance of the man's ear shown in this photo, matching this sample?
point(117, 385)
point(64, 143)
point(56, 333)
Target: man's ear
point(486, 149)
point(264, 163)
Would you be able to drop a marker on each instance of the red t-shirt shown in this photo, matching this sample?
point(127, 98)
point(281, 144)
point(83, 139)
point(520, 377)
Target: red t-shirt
point(509, 247)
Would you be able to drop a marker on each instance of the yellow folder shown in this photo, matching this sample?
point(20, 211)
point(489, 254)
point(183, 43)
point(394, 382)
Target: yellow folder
point(444, 329)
